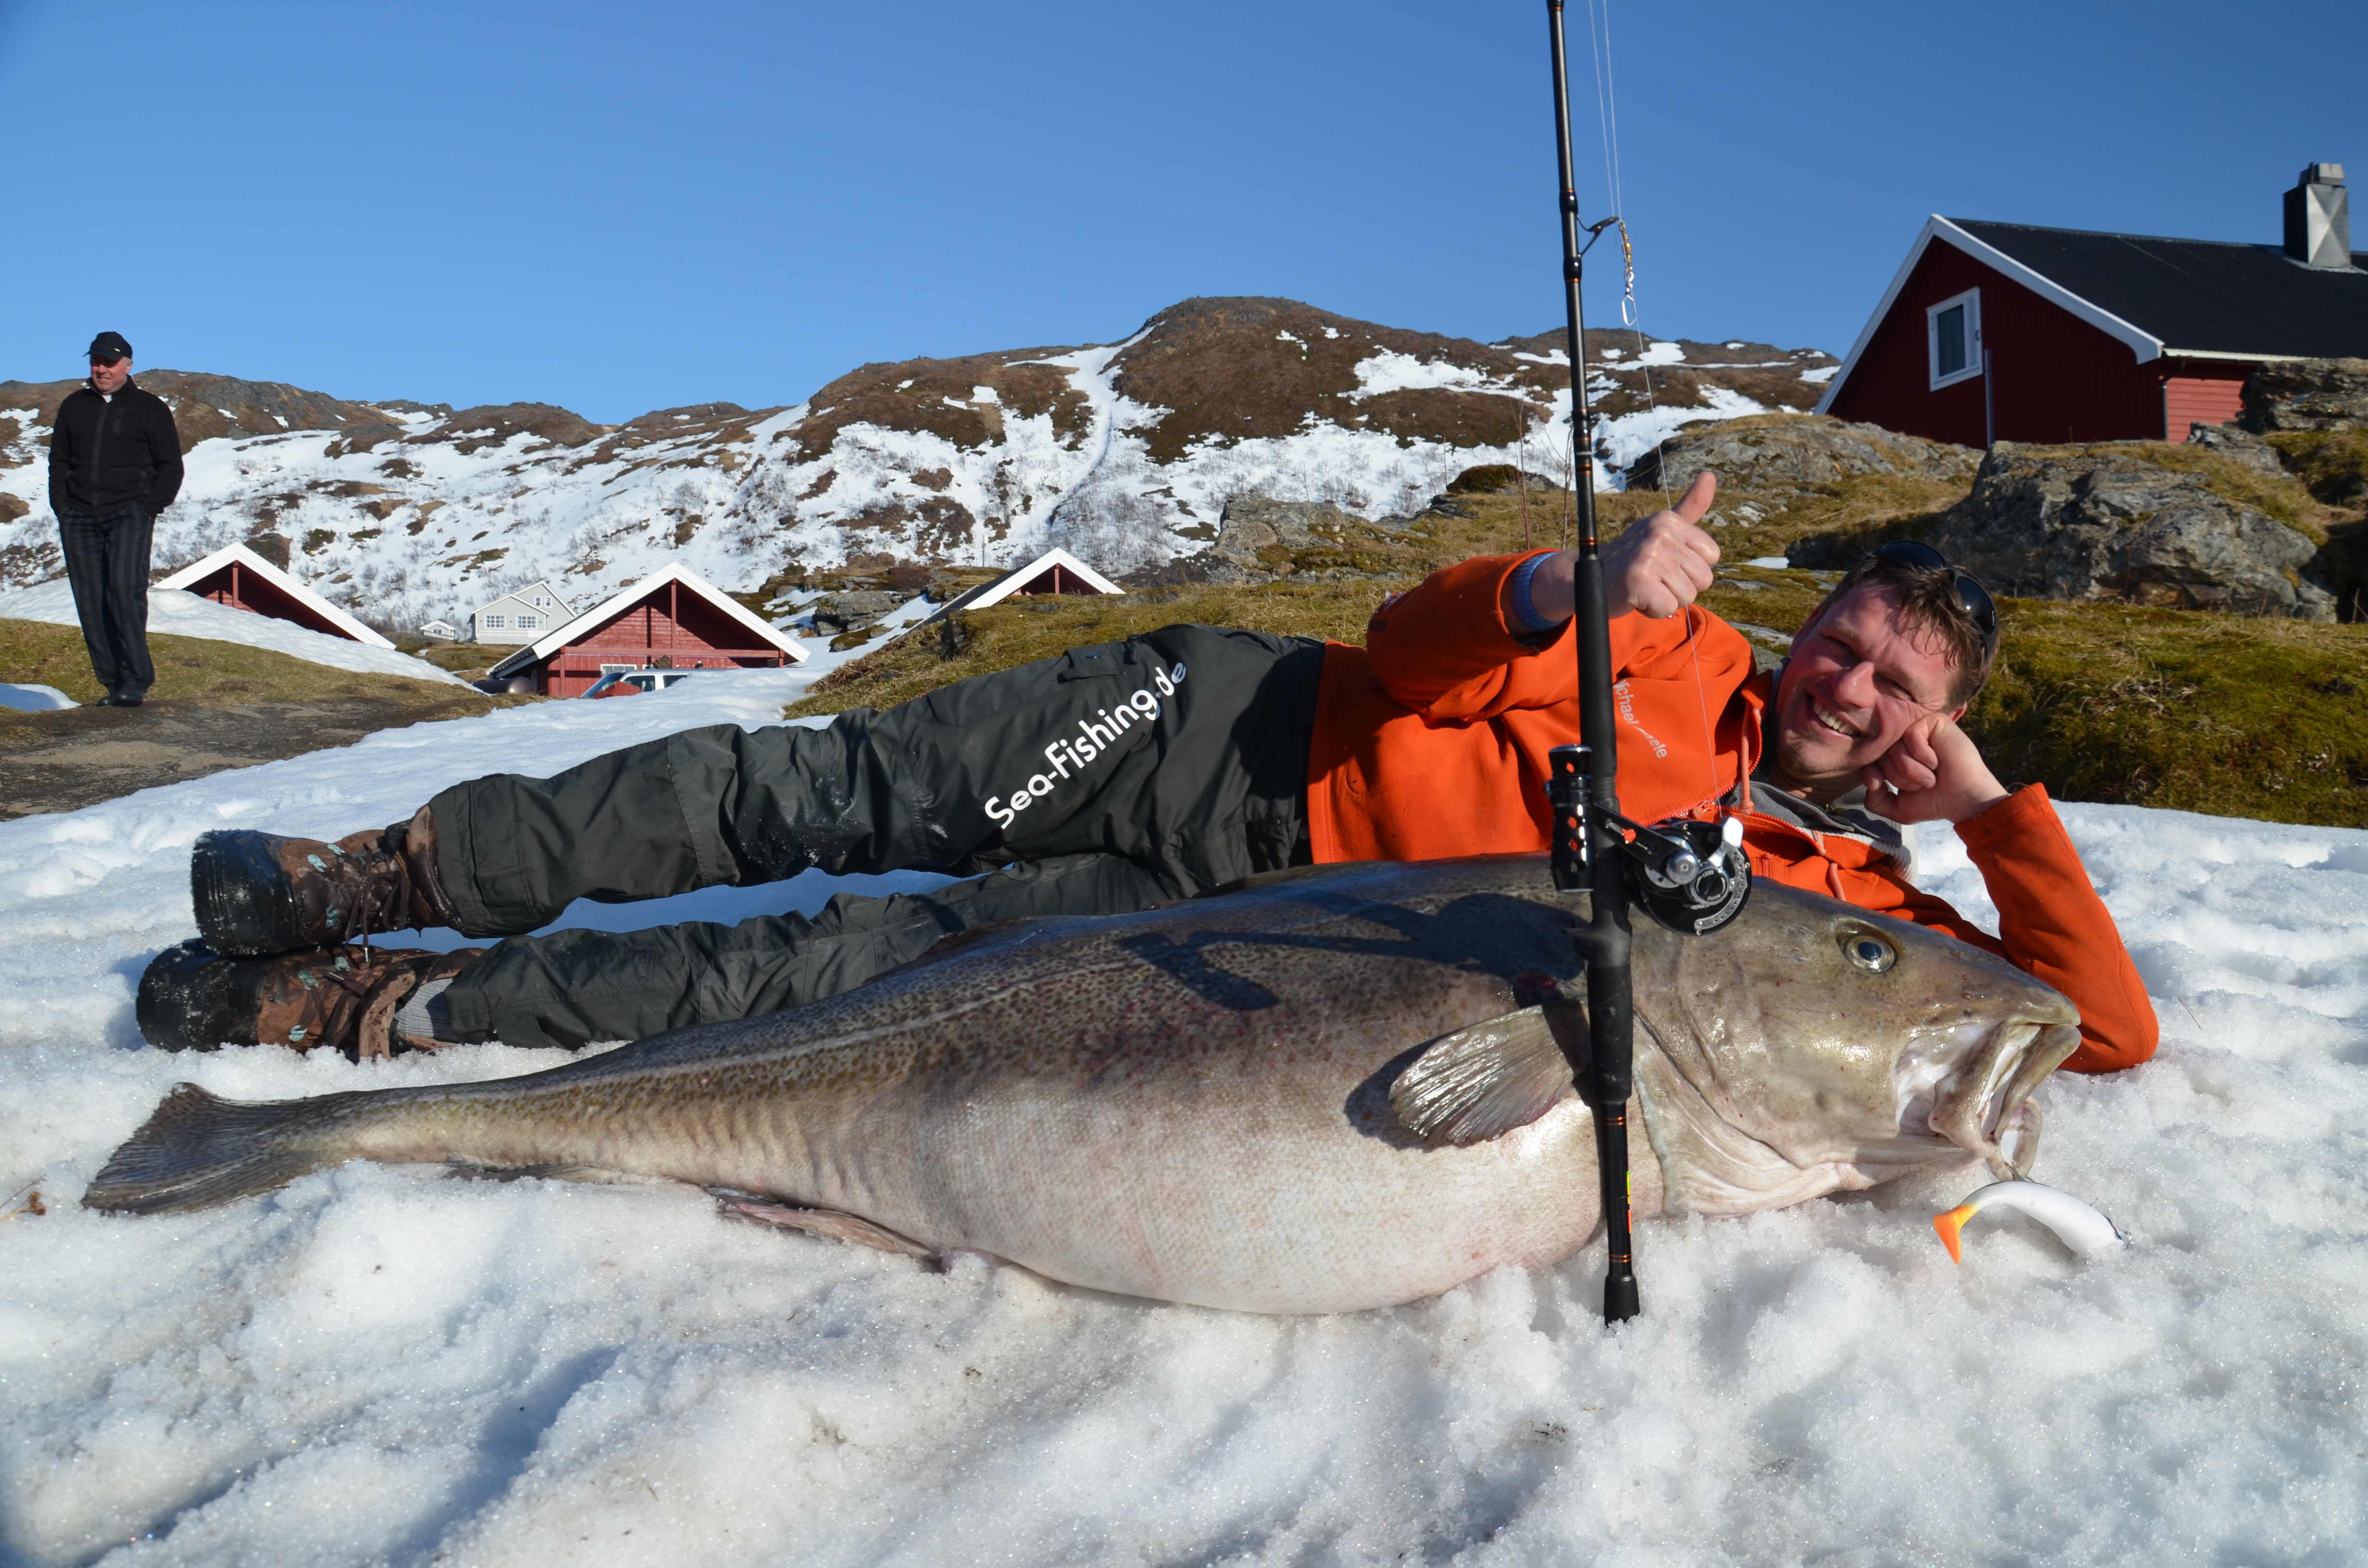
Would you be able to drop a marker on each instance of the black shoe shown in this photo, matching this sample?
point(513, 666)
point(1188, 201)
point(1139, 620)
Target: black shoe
point(257, 893)
point(192, 998)
point(122, 700)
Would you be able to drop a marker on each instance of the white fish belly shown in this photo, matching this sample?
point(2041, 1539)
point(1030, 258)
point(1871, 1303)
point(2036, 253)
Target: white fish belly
point(1283, 1202)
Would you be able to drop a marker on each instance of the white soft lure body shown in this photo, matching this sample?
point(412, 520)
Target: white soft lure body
point(2077, 1224)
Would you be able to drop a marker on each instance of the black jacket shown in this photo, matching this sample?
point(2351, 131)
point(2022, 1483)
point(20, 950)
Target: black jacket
point(105, 453)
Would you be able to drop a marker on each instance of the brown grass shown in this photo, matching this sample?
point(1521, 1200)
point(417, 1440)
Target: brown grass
point(203, 671)
point(2231, 715)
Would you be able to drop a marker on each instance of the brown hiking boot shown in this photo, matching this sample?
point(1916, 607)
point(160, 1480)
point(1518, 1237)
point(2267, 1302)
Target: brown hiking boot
point(346, 998)
point(257, 893)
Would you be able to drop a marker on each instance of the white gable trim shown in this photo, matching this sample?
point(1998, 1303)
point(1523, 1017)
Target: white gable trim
point(2143, 343)
point(625, 598)
point(272, 574)
point(2236, 358)
point(1019, 577)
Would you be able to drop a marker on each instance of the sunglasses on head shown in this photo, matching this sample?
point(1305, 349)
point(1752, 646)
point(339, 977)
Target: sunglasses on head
point(1971, 594)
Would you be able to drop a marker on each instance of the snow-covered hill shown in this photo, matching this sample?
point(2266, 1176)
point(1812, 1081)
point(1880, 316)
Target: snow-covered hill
point(1125, 453)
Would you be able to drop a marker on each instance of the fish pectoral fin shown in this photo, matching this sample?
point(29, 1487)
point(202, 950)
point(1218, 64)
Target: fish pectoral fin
point(1482, 1082)
point(834, 1223)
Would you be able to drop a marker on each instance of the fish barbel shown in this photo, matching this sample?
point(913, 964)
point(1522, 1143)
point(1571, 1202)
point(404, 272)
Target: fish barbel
point(1335, 1088)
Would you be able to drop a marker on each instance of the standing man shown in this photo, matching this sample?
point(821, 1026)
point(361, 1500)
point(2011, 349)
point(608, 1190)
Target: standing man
point(115, 462)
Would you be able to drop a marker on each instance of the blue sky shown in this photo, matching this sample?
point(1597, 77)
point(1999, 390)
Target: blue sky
point(621, 207)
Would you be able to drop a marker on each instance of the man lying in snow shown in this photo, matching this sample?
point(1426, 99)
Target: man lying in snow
point(1128, 774)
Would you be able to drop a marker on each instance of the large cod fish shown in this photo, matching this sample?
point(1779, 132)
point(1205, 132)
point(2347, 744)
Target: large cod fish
point(1335, 1088)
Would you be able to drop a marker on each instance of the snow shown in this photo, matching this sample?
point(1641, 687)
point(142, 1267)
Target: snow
point(182, 614)
point(1628, 437)
point(34, 699)
point(377, 1366)
point(1390, 372)
point(1772, 563)
point(1654, 355)
point(1821, 375)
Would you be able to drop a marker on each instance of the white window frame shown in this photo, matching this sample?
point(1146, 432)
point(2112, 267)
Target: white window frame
point(1972, 299)
point(528, 622)
point(496, 622)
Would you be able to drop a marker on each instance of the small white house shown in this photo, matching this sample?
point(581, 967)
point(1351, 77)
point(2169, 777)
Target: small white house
point(442, 631)
point(521, 617)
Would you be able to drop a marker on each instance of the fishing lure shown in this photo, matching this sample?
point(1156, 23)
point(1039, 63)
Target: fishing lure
point(2078, 1225)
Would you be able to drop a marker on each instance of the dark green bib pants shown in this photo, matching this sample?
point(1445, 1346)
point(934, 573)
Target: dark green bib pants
point(1105, 781)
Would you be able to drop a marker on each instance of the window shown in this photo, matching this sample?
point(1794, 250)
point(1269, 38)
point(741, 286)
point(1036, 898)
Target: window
point(1952, 331)
point(494, 623)
point(528, 622)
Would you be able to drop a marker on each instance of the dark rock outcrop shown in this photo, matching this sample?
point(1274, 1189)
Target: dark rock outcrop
point(2096, 524)
point(2238, 446)
point(205, 406)
point(862, 607)
point(489, 425)
point(1803, 450)
point(2307, 394)
point(1256, 534)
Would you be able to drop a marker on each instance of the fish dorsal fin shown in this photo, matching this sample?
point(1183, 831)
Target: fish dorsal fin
point(1479, 1083)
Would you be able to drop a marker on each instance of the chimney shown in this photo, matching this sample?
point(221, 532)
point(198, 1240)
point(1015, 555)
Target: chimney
point(2319, 218)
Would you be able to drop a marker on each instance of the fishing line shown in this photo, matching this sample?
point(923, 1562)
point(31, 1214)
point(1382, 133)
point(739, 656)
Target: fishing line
point(1607, 109)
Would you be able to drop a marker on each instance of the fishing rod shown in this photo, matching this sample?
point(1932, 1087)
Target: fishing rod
point(1689, 876)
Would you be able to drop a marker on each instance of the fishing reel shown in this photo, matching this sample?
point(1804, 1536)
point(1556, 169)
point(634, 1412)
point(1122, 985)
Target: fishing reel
point(1690, 876)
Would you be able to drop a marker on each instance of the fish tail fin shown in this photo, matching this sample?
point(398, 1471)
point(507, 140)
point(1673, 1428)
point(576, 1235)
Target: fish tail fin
point(1950, 1224)
point(197, 1151)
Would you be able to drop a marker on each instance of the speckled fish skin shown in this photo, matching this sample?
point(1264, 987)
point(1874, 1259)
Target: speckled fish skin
point(1191, 1104)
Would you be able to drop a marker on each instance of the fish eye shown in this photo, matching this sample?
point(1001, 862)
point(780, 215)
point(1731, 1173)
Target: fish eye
point(1869, 951)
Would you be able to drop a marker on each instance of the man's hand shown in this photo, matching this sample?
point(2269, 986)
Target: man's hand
point(1934, 773)
point(1657, 566)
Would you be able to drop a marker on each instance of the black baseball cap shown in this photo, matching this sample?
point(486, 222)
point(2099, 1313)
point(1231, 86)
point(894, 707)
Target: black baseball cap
point(108, 348)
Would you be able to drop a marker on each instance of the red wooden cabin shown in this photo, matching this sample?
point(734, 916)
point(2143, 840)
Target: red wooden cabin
point(1055, 572)
point(240, 579)
point(2010, 332)
point(675, 620)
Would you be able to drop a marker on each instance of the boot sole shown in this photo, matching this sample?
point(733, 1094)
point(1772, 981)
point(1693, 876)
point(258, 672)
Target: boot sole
point(241, 895)
point(192, 998)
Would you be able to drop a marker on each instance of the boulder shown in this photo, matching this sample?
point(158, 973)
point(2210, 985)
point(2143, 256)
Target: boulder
point(1252, 524)
point(2096, 524)
point(2238, 446)
point(2307, 394)
point(1805, 450)
point(1494, 479)
point(862, 607)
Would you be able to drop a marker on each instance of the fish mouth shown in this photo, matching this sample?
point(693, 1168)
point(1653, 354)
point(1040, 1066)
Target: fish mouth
point(1980, 1100)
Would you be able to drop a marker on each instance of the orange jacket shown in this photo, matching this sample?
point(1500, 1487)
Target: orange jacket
point(1431, 742)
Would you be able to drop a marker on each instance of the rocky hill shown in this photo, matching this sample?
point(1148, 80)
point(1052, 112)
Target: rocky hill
point(1125, 453)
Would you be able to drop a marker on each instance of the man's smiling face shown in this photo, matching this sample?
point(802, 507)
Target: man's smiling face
point(1860, 677)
